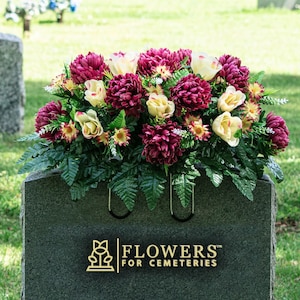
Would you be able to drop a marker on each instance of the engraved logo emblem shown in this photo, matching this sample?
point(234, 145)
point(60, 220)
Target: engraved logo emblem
point(100, 258)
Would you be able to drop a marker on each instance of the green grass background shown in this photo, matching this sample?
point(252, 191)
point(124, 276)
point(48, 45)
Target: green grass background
point(264, 39)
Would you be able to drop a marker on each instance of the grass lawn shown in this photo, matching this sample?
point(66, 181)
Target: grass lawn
point(265, 39)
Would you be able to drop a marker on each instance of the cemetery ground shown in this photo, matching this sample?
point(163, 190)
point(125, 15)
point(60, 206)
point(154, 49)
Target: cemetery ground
point(265, 39)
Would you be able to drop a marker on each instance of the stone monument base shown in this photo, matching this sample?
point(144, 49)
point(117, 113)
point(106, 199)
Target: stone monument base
point(78, 250)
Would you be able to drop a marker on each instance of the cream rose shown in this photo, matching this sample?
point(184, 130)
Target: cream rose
point(205, 65)
point(122, 63)
point(90, 124)
point(226, 126)
point(95, 92)
point(231, 99)
point(159, 106)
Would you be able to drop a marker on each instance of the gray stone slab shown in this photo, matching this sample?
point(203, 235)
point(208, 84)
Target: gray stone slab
point(288, 4)
point(58, 237)
point(12, 91)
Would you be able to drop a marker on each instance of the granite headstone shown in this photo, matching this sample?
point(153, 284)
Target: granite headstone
point(12, 90)
point(78, 250)
point(288, 4)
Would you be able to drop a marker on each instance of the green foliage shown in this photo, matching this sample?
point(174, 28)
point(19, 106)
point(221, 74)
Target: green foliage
point(258, 77)
point(119, 121)
point(173, 80)
point(152, 184)
point(125, 184)
point(184, 182)
point(275, 169)
point(269, 100)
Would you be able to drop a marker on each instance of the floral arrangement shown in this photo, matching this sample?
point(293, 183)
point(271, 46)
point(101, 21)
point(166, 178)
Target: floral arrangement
point(133, 119)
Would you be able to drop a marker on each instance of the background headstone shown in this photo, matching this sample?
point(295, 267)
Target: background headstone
point(12, 90)
point(288, 4)
point(58, 234)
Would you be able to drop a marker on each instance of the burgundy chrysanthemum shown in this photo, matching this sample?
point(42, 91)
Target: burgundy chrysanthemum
point(279, 133)
point(125, 92)
point(162, 143)
point(45, 116)
point(233, 73)
point(182, 54)
point(91, 66)
point(154, 58)
point(191, 93)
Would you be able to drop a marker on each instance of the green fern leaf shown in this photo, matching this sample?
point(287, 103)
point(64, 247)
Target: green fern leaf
point(125, 188)
point(275, 169)
point(78, 191)
point(269, 100)
point(32, 152)
point(69, 167)
point(244, 185)
point(39, 163)
point(29, 137)
point(216, 177)
point(152, 185)
point(173, 80)
point(183, 186)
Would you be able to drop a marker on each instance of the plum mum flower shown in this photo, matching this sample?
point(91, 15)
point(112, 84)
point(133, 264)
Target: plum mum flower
point(91, 66)
point(161, 143)
point(153, 59)
point(125, 92)
point(51, 111)
point(233, 73)
point(191, 93)
point(279, 133)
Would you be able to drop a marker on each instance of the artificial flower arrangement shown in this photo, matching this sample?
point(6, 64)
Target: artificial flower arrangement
point(135, 118)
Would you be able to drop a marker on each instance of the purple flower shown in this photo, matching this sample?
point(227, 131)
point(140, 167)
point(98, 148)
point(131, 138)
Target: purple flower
point(125, 92)
point(153, 60)
point(162, 143)
point(91, 66)
point(191, 93)
point(46, 114)
point(233, 73)
point(279, 133)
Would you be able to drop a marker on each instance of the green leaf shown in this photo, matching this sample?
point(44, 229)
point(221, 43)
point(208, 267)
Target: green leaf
point(258, 77)
point(125, 184)
point(216, 177)
point(126, 188)
point(269, 100)
point(39, 163)
point(32, 152)
point(119, 121)
point(183, 185)
point(275, 169)
point(173, 80)
point(69, 167)
point(29, 137)
point(244, 185)
point(152, 185)
point(78, 190)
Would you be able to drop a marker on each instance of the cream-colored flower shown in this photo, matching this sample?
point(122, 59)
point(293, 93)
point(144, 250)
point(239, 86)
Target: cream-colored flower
point(231, 99)
point(159, 106)
point(226, 126)
point(90, 124)
point(69, 131)
point(95, 92)
point(205, 65)
point(122, 63)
